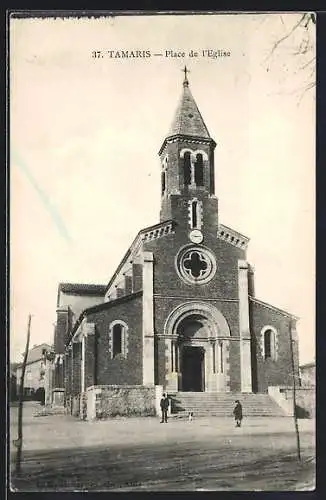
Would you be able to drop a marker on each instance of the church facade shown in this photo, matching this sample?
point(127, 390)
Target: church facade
point(180, 311)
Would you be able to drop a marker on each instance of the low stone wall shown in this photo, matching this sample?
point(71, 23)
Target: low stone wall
point(105, 401)
point(305, 400)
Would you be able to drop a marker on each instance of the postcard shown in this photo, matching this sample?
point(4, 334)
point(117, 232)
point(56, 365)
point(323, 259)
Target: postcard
point(162, 194)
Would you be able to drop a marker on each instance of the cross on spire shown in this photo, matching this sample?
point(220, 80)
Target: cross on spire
point(185, 81)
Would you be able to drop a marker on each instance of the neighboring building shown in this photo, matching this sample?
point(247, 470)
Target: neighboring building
point(308, 374)
point(35, 370)
point(180, 310)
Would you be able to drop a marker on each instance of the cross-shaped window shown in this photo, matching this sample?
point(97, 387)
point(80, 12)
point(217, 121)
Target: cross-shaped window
point(195, 264)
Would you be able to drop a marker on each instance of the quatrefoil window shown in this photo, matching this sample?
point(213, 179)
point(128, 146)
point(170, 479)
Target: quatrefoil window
point(196, 264)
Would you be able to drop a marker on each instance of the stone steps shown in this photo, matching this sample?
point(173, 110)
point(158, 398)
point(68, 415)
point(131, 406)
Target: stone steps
point(222, 404)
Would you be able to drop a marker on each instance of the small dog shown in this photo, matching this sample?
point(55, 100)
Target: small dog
point(190, 416)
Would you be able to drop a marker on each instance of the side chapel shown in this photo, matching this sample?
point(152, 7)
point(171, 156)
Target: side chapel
point(180, 310)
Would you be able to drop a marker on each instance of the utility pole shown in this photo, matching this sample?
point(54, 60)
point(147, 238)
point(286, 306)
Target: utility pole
point(19, 442)
point(294, 396)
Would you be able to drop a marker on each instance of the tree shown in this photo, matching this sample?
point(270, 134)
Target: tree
point(297, 41)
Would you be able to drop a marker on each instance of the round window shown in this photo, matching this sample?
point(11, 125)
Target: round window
point(196, 264)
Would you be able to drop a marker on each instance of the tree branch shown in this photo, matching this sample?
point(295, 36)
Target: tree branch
point(276, 44)
point(308, 87)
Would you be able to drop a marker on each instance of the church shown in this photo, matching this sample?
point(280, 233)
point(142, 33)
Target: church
point(179, 315)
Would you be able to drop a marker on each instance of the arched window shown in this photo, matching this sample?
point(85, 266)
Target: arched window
point(269, 343)
point(187, 168)
point(118, 339)
point(199, 170)
point(163, 182)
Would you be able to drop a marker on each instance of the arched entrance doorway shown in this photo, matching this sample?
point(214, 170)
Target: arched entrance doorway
point(197, 339)
point(192, 331)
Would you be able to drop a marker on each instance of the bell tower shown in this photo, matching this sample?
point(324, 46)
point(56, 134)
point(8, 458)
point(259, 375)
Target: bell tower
point(187, 169)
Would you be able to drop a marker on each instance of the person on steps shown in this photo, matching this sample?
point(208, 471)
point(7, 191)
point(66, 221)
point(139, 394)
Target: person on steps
point(164, 408)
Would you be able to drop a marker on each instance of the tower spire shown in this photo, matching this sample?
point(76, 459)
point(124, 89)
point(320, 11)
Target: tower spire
point(187, 119)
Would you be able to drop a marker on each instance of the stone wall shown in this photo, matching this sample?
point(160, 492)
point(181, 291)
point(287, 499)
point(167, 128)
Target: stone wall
point(305, 400)
point(308, 375)
point(105, 401)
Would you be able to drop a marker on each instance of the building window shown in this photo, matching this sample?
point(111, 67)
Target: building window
point(118, 339)
point(187, 168)
point(199, 170)
point(196, 264)
point(163, 182)
point(269, 343)
point(194, 213)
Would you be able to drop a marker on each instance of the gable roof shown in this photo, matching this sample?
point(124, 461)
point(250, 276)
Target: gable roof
point(274, 308)
point(132, 247)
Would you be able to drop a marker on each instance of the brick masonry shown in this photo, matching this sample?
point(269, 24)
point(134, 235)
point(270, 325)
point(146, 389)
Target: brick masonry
point(100, 368)
point(268, 372)
point(170, 291)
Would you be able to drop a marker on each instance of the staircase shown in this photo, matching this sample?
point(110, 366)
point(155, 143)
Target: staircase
point(220, 404)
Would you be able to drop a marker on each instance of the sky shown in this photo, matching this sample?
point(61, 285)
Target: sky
point(84, 138)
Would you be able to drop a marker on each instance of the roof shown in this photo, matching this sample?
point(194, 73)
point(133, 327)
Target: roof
point(99, 307)
point(82, 288)
point(277, 309)
point(87, 289)
point(132, 246)
point(188, 120)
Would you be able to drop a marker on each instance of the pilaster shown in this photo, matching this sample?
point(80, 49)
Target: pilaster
point(245, 341)
point(148, 318)
point(171, 365)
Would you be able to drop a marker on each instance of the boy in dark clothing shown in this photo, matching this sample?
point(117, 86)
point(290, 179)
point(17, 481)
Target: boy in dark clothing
point(237, 412)
point(164, 408)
